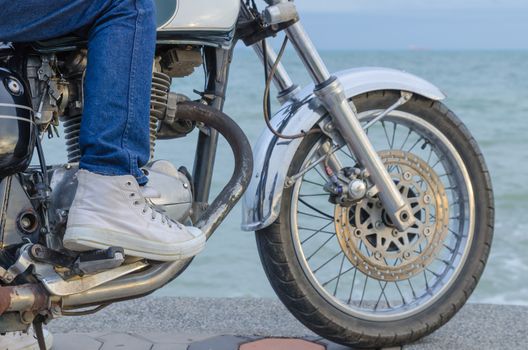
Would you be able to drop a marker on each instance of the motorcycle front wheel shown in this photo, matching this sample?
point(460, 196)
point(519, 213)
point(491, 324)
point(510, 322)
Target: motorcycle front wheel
point(345, 272)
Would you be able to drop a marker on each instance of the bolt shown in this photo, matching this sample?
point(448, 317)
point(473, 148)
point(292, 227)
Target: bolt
point(14, 86)
point(27, 317)
point(407, 175)
point(427, 231)
point(406, 255)
point(404, 216)
point(37, 250)
point(395, 233)
point(427, 199)
point(378, 224)
point(379, 205)
point(357, 232)
point(25, 223)
point(378, 255)
point(185, 185)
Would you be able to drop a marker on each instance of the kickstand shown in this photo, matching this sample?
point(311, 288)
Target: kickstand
point(37, 326)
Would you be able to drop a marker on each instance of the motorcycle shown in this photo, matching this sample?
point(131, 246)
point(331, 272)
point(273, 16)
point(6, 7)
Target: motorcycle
point(371, 201)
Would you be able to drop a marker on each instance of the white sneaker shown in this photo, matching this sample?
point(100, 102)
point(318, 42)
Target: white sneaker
point(24, 341)
point(112, 211)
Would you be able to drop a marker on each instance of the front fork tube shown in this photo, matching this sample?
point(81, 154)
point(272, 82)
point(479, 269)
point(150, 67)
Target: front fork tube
point(330, 92)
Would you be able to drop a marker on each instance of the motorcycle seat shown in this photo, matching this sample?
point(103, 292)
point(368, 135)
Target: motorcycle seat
point(64, 43)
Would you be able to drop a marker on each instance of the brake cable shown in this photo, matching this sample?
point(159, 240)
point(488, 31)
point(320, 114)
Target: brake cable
point(267, 100)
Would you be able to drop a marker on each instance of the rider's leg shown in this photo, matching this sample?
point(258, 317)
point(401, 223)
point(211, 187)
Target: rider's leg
point(121, 47)
point(109, 208)
point(121, 36)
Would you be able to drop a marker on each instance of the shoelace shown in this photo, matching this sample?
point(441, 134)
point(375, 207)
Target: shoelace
point(154, 210)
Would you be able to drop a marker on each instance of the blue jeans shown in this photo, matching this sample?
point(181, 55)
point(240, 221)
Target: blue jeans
point(121, 36)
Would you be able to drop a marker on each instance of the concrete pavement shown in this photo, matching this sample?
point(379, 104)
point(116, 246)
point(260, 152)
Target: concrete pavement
point(210, 323)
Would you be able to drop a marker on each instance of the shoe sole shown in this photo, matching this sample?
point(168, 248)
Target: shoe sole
point(82, 238)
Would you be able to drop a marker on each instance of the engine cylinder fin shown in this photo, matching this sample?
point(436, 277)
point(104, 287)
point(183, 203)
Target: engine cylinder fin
point(158, 104)
point(72, 129)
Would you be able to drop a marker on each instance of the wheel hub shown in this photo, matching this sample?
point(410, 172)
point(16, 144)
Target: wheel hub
point(372, 243)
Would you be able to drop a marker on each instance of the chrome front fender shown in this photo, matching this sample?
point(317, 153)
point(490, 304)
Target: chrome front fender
point(272, 156)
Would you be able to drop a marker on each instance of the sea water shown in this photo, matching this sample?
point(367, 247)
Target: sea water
point(487, 90)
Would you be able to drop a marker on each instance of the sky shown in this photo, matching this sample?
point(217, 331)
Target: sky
point(417, 24)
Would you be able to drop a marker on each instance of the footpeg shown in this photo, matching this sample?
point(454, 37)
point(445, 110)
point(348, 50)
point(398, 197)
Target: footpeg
point(99, 260)
point(63, 274)
point(83, 264)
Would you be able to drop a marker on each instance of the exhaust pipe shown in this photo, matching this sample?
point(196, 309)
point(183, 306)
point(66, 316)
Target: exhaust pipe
point(26, 297)
point(143, 283)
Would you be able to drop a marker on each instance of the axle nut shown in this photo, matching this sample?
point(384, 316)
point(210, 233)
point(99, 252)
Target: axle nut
point(404, 216)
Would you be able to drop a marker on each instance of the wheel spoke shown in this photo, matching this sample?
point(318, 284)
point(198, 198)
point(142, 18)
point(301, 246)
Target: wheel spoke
point(313, 182)
point(321, 175)
point(319, 249)
point(313, 195)
point(352, 287)
point(316, 232)
point(364, 289)
point(316, 210)
point(315, 216)
point(340, 270)
point(338, 275)
point(327, 262)
point(403, 277)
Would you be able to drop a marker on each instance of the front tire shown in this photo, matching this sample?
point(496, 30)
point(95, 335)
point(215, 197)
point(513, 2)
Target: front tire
point(362, 320)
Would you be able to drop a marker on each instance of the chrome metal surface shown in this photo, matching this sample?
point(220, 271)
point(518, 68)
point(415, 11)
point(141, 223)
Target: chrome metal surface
point(22, 263)
point(201, 16)
point(308, 53)
point(272, 155)
point(174, 188)
point(14, 86)
point(21, 298)
point(334, 99)
point(198, 22)
point(133, 285)
point(281, 78)
point(57, 285)
point(372, 292)
point(405, 97)
point(280, 13)
point(357, 189)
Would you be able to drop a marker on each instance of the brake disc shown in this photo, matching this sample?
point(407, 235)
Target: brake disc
point(370, 240)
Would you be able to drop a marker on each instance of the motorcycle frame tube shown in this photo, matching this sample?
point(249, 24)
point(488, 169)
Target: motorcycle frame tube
point(217, 63)
point(330, 92)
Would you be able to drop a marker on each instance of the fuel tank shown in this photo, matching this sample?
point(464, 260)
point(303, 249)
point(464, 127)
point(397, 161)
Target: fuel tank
point(209, 22)
point(17, 127)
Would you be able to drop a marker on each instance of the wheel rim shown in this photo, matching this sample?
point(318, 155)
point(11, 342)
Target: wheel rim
point(337, 263)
